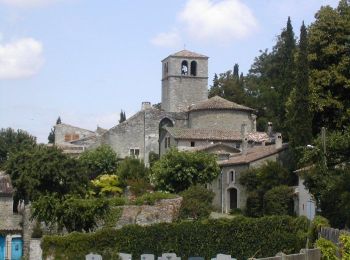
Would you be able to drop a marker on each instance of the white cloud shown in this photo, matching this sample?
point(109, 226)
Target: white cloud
point(221, 21)
point(20, 59)
point(169, 39)
point(27, 3)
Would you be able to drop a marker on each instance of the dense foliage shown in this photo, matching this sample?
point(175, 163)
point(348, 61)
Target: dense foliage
point(12, 141)
point(176, 170)
point(72, 213)
point(106, 185)
point(45, 170)
point(240, 237)
point(197, 203)
point(328, 177)
point(267, 180)
point(132, 169)
point(102, 160)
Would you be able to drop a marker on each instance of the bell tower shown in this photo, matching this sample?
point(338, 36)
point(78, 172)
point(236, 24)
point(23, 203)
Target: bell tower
point(184, 80)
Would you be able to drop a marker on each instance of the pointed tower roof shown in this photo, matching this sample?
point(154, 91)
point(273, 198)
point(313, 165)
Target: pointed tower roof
point(218, 103)
point(188, 54)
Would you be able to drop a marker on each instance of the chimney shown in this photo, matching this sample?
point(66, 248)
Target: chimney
point(243, 130)
point(269, 129)
point(278, 140)
point(146, 105)
point(253, 123)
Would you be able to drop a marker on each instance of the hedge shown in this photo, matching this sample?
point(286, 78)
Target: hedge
point(240, 237)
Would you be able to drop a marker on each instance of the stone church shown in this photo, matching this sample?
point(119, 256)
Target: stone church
point(189, 121)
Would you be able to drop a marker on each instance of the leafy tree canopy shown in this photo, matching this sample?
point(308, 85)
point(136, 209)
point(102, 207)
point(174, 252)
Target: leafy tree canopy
point(102, 160)
point(45, 170)
point(328, 176)
point(73, 213)
point(177, 171)
point(12, 141)
point(329, 52)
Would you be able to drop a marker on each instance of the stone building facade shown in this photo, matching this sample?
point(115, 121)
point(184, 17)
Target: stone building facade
point(189, 121)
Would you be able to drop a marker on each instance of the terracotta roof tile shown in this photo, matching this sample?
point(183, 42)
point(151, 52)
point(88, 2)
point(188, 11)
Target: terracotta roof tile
point(253, 154)
point(218, 103)
point(186, 53)
point(212, 134)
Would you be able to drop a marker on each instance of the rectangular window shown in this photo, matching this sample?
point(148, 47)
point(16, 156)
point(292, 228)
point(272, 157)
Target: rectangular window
point(134, 152)
point(167, 142)
point(193, 144)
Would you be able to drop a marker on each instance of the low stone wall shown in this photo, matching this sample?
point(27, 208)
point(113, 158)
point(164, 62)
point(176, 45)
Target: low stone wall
point(166, 210)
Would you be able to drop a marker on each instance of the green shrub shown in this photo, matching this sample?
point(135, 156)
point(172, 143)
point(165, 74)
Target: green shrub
point(151, 198)
point(117, 201)
point(240, 237)
point(37, 230)
point(279, 201)
point(236, 211)
point(345, 246)
point(254, 205)
point(328, 249)
point(139, 187)
point(317, 223)
point(112, 216)
point(196, 203)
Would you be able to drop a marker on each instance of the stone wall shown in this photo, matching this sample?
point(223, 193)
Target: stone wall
point(140, 131)
point(6, 206)
point(35, 252)
point(221, 119)
point(28, 226)
point(163, 211)
point(62, 129)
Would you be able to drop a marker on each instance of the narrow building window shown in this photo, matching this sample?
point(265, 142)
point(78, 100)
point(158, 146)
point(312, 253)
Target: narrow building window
point(193, 144)
point(184, 67)
point(193, 68)
point(134, 152)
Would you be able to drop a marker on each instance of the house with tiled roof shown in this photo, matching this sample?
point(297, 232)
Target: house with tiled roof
point(11, 242)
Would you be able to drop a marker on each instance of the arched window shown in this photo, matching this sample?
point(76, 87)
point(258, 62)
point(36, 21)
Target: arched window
point(184, 67)
point(231, 177)
point(193, 68)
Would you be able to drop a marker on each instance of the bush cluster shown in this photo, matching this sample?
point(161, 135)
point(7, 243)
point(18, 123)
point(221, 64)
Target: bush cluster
point(240, 237)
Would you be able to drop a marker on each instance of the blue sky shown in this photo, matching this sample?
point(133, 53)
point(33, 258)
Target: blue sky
point(85, 60)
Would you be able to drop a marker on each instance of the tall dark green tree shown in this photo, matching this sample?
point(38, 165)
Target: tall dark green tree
point(299, 117)
point(122, 117)
point(236, 71)
point(51, 137)
point(329, 52)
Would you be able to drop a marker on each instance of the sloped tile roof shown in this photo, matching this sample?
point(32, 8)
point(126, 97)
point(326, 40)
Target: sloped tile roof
point(219, 146)
point(253, 154)
point(186, 53)
point(212, 134)
point(218, 103)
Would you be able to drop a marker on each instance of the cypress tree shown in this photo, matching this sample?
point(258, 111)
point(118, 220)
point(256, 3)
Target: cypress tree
point(300, 118)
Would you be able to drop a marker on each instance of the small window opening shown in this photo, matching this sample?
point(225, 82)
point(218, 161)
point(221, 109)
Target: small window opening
point(193, 68)
point(184, 67)
point(231, 177)
point(134, 152)
point(193, 144)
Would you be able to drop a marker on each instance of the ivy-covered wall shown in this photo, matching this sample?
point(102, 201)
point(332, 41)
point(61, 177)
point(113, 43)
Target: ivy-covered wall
point(240, 237)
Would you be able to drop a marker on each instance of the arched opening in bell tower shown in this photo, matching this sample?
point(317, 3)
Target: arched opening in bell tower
point(184, 67)
point(193, 68)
